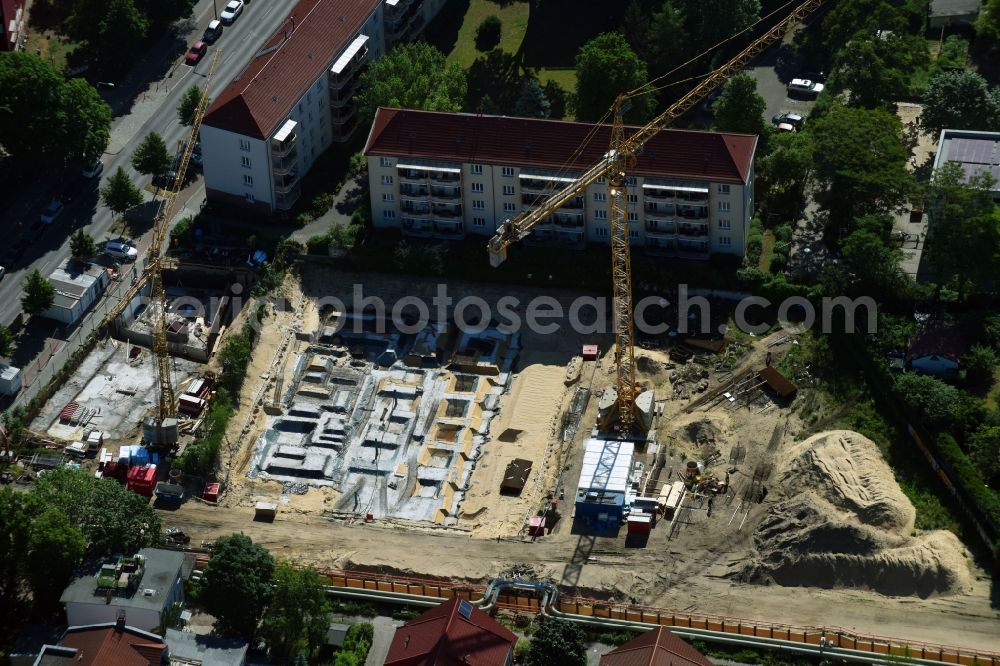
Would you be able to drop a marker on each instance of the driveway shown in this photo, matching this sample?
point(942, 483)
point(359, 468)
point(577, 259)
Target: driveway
point(772, 70)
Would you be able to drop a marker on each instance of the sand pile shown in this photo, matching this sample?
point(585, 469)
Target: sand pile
point(844, 522)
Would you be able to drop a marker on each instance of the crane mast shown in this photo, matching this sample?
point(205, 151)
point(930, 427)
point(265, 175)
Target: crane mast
point(163, 433)
point(614, 167)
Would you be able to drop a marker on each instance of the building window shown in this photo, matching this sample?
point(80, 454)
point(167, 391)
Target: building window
point(300, 108)
point(477, 187)
point(725, 224)
point(384, 162)
point(633, 234)
point(601, 232)
point(508, 190)
point(600, 214)
point(388, 197)
point(478, 204)
point(633, 217)
point(602, 180)
point(630, 181)
point(248, 197)
point(389, 214)
point(245, 144)
point(477, 169)
point(479, 221)
point(723, 206)
point(245, 161)
point(387, 180)
point(508, 172)
point(600, 196)
point(725, 241)
point(248, 180)
point(633, 198)
point(509, 208)
point(723, 189)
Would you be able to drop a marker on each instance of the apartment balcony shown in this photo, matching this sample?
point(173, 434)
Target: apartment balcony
point(343, 131)
point(449, 228)
point(532, 200)
point(535, 185)
point(660, 247)
point(568, 221)
point(412, 175)
point(685, 229)
point(448, 212)
point(446, 176)
point(693, 213)
point(404, 24)
point(446, 193)
point(343, 116)
point(285, 184)
point(394, 9)
point(660, 229)
point(692, 249)
point(281, 166)
point(283, 141)
point(344, 96)
point(657, 194)
point(419, 193)
point(285, 200)
point(660, 210)
point(415, 211)
point(349, 63)
point(551, 235)
point(693, 198)
point(415, 227)
point(576, 203)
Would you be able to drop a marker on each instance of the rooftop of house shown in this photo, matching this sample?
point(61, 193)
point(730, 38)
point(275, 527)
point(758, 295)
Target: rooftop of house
point(455, 632)
point(945, 341)
point(976, 152)
point(107, 644)
point(954, 7)
point(160, 570)
point(553, 144)
point(263, 94)
point(658, 647)
point(205, 650)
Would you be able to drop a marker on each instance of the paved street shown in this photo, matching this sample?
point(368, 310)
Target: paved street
point(153, 110)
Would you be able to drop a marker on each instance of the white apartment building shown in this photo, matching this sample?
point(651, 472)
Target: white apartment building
point(445, 175)
point(295, 98)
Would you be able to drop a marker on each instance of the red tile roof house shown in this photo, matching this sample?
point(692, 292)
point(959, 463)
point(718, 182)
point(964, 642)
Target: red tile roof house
point(444, 175)
point(12, 17)
point(295, 98)
point(937, 351)
point(108, 644)
point(453, 633)
point(658, 647)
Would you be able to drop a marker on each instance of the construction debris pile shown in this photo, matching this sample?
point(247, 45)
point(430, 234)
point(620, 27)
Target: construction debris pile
point(844, 522)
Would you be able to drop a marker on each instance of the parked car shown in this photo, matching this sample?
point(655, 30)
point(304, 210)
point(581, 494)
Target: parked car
point(93, 169)
point(165, 180)
point(805, 87)
point(212, 32)
point(52, 211)
point(196, 53)
point(121, 250)
point(231, 12)
point(793, 119)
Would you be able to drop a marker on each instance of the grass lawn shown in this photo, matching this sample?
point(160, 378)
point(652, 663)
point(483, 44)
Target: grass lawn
point(52, 47)
point(515, 23)
point(767, 248)
point(565, 77)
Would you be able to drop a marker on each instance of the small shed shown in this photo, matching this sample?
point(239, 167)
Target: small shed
point(265, 511)
point(211, 493)
point(590, 352)
point(640, 523)
point(944, 13)
point(777, 383)
point(515, 476)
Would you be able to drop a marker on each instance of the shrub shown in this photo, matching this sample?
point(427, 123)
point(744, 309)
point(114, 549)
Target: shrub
point(357, 643)
point(488, 33)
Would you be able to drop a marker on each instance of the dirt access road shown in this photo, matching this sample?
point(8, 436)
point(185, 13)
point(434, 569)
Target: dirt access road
point(964, 620)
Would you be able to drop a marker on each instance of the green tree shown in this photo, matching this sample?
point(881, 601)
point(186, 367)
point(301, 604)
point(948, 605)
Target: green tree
point(112, 29)
point(877, 70)
point(188, 106)
point(55, 549)
point(47, 122)
point(860, 157)
point(81, 245)
point(6, 341)
point(959, 100)
point(120, 193)
point(493, 82)
point(161, 13)
point(644, 25)
point(532, 102)
point(557, 99)
point(17, 510)
point(606, 67)
point(859, 18)
point(988, 21)
point(984, 449)
point(784, 171)
point(236, 586)
point(488, 33)
point(38, 293)
point(872, 259)
point(111, 518)
point(234, 357)
point(412, 76)
point(297, 616)
point(740, 108)
point(151, 157)
point(557, 643)
point(980, 362)
point(708, 23)
point(962, 247)
point(941, 406)
point(991, 331)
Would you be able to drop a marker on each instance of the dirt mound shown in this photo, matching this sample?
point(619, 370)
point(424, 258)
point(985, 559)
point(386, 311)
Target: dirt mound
point(844, 522)
point(848, 470)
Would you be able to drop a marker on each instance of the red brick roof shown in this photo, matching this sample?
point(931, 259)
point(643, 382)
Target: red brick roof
point(442, 637)
point(657, 647)
point(548, 144)
point(105, 645)
point(263, 94)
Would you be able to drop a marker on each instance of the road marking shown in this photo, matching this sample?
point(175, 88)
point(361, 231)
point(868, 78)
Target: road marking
point(270, 9)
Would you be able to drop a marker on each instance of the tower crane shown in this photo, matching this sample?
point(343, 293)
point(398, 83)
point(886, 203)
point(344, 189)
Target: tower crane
point(614, 166)
point(161, 430)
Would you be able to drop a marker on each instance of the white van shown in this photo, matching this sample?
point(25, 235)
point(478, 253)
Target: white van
point(805, 87)
point(120, 250)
